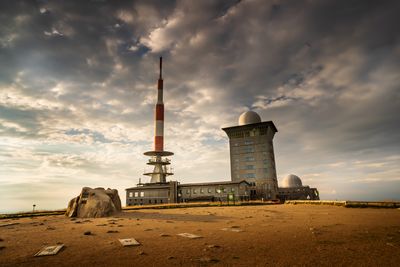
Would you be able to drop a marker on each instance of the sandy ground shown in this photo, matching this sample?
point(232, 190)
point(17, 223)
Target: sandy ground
point(278, 235)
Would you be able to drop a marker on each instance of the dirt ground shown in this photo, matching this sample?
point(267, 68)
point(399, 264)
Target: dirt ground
point(275, 235)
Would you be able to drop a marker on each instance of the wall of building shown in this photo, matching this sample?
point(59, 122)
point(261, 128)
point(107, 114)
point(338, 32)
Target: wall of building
point(172, 192)
point(207, 192)
point(152, 194)
point(298, 193)
point(252, 158)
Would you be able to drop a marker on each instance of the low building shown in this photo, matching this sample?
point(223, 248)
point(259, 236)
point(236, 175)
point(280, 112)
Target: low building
point(292, 188)
point(152, 193)
point(174, 192)
point(214, 191)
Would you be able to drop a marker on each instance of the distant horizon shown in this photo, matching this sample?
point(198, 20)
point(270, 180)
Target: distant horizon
point(57, 209)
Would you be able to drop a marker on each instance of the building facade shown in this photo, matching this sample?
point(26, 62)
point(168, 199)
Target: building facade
point(152, 193)
point(252, 155)
point(292, 188)
point(174, 192)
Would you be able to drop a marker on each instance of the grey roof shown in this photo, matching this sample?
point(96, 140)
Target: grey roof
point(150, 185)
point(166, 185)
point(215, 183)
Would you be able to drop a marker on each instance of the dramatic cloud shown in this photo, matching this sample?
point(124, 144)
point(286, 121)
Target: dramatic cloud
point(77, 90)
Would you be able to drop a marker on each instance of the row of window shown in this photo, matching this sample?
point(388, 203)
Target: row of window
point(137, 194)
point(248, 159)
point(154, 201)
point(209, 190)
point(252, 167)
point(250, 175)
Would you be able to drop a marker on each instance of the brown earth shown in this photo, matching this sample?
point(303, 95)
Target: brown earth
point(275, 235)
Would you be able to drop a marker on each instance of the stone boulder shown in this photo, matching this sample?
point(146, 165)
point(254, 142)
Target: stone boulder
point(94, 203)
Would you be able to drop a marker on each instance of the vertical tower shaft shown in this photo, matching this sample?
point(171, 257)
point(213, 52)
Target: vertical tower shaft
point(160, 170)
point(159, 115)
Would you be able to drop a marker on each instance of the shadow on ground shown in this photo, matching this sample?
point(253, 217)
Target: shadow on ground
point(173, 217)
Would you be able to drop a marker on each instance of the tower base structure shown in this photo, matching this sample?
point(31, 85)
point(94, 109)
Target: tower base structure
point(160, 162)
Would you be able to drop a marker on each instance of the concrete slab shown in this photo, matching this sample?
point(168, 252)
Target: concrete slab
point(188, 235)
point(49, 250)
point(129, 242)
point(237, 230)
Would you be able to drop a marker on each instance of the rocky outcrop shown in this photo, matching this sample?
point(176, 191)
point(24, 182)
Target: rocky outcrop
point(94, 203)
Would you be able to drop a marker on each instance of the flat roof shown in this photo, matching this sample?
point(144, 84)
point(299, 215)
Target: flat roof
point(166, 185)
point(270, 123)
point(150, 185)
point(215, 183)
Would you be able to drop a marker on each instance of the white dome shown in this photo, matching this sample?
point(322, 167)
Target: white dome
point(291, 181)
point(249, 117)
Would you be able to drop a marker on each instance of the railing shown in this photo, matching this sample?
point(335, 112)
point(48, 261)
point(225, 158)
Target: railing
point(160, 160)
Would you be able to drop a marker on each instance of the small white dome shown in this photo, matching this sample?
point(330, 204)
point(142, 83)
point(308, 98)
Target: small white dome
point(249, 117)
point(291, 181)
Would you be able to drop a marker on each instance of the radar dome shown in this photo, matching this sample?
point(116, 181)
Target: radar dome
point(291, 181)
point(249, 117)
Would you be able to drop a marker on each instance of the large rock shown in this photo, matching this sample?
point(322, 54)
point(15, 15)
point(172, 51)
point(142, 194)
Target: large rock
point(94, 203)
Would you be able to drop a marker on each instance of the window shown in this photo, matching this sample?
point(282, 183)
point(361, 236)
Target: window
point(194, 191)
point(249, 167)
point(130, 194)
point(248, 149)
point(249, 175)
point(265, 170)
point(187, 191)
point(142, 194)
point(232, 189)
point(209, 190)
point(161, 201)
point(249, 158)
point(155, 201)
point(248, 142)
point(224, 190)
point(149, 201)
point(136, 194)
point(201, 190)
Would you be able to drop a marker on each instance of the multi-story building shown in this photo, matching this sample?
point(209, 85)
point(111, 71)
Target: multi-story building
point(252, 155)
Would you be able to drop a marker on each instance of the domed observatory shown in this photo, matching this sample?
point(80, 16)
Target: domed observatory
point(291, 181)
point(249, 117)
point(292, 188)
point(252, 155)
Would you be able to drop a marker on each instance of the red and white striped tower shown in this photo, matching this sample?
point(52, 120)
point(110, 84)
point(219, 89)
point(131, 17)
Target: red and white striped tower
point(159, 115)
point(160, 170)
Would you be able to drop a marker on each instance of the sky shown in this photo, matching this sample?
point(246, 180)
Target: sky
point(78, 88)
